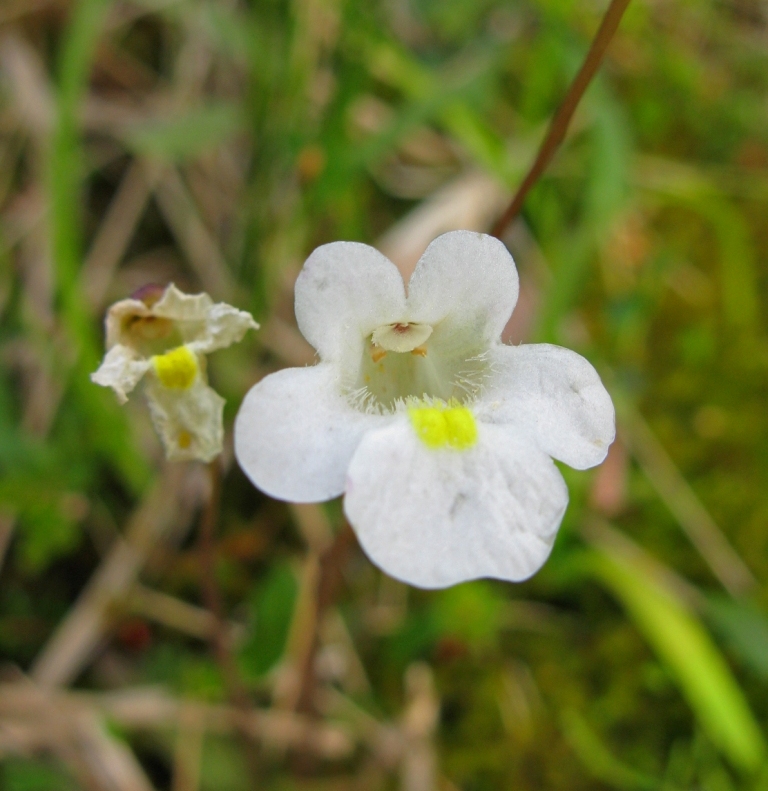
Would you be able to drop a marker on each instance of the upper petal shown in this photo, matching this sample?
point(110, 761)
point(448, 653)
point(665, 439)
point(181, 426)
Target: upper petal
point(203, 324)
point(556, 397)
point(121, 369)
point(434, 518)
point(178, 306)
point(295, 434)
point(118, 320)
point(177, 317)
point(344, 292)
point(224, 325)
point(465, 286)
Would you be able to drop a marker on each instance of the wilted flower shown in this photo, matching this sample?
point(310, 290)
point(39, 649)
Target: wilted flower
point(165, 334)
point(439, 435)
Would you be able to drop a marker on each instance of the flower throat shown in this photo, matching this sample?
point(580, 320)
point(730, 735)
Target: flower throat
point(407, 360)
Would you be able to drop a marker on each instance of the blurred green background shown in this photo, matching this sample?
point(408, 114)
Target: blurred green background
point(215, 143)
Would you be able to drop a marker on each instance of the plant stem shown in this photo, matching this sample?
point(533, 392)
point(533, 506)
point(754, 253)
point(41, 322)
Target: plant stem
point(329, 581)
point(562, 118)
point(220, 638)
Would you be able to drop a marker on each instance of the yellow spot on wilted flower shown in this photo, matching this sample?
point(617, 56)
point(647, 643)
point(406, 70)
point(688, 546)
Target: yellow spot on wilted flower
point(440, 426)
point(184, 440)
point(177, 368)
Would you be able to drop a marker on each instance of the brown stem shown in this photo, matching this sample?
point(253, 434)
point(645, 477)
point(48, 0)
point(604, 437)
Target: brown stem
point(562, 118)
point(220, 643)
point(220, 637)
point(328, 585)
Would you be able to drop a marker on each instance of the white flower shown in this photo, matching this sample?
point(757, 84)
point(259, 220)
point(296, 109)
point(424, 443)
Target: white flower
point(438, 435)
point(165, 334)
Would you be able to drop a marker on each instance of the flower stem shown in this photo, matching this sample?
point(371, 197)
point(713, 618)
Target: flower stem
point(329, 581)
point(562, 118)
point(220, 637)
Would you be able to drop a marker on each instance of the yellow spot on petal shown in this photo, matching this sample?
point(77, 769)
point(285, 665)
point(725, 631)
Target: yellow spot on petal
point(420, 351)
point(184, 439)
point(177, 368)
point(440, 426)
point(430, 425)
point(462, 429)
point(377, 353)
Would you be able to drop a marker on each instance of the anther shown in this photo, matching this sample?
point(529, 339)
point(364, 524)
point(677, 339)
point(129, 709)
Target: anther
point(377, 353)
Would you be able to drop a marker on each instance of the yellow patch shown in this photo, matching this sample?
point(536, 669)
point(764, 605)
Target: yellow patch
point(184, 439)
point(440, 426)
point(176, 369)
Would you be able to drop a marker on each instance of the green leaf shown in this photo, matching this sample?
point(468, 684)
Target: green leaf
point(683, 643)
point(25, 775)
point(737, 260)
point(744, 627)
point(182, 138)
point(599, 760)
point(472, 611)
point(271, 607)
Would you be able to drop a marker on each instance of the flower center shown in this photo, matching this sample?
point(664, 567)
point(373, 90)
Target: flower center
point(439, 425)
point(176, 369)
point(407, 360)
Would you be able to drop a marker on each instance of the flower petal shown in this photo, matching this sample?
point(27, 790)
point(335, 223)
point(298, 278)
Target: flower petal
point(203, 324)
point(178, 306)
point(118, 316)
point(465, 286)
point(224, 325)
point(295, 434)
point(434, 518)
point(121, 369)
point(189, 421)
point(556, 397)
point(344, 292)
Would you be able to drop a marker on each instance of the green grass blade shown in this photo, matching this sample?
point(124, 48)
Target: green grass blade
point(683, 643)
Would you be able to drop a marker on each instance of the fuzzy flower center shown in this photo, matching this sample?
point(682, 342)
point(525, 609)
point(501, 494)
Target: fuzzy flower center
point(176, 369)
point(410, 360)
point(440, 425)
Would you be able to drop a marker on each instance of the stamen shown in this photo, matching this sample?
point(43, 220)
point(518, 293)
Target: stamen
point(420, 351)
point(377, 353)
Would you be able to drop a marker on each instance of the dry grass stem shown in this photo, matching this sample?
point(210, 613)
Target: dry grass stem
point(116, 231)
point(171, 612)
point(72, 645)
point(418, 770)
point(687, 508)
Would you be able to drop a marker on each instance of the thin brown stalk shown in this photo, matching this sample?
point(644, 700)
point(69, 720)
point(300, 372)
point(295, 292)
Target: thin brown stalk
point(562, 118)
point(220, 636)
point(328, 584)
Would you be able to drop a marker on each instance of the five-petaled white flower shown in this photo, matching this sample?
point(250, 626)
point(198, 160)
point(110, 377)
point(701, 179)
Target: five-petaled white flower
point(165, 334)
point(438, 435)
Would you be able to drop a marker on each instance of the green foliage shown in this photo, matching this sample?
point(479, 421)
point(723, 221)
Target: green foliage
point(296, 123)
point(601, 762)
point(744, 626)
point(472, 612)
point(270, 606)
point(193, 134)
point(683, 643)
point(20, 775)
